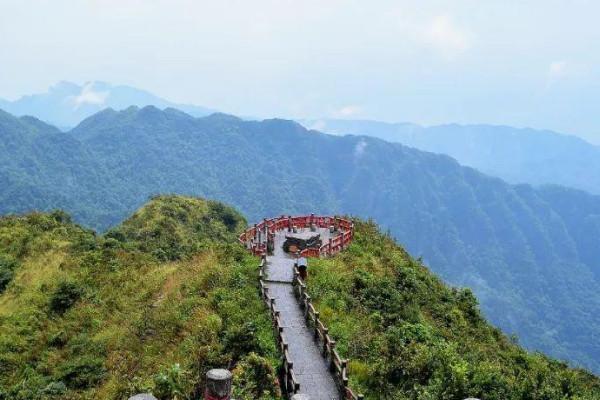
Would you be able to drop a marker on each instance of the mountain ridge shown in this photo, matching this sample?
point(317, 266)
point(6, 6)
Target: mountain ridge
point(66, 104)
point(517, 246)
point(518, 155)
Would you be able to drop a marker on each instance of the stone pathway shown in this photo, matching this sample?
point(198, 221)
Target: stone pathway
point(311, 369)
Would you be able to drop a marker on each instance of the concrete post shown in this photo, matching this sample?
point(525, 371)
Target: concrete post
point(266, 228)
point(218, 384)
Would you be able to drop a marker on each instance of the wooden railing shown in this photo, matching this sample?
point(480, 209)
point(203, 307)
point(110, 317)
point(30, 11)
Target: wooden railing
point(338, 365)
point(256, 240)
point(256, 237)
point(290, 383)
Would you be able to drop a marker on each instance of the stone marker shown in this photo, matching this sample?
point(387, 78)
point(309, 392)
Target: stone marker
point(218, 385)
point(143, 396)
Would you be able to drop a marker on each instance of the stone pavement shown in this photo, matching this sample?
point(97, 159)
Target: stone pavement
point(310, 367)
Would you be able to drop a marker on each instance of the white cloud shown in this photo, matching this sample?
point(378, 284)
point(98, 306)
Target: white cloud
point(89, 96)
point(348, 111)
point(318, 125)
point(359, 149)
point(443, 34)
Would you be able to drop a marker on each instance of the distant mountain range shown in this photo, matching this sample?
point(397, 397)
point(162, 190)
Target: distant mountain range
point(532, 255)
point(66, 104)
point(515, 155)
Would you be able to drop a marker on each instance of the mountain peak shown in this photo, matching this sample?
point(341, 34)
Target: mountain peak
point(66, 104)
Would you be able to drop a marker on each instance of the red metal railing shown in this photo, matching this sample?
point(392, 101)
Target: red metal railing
point(256, 237)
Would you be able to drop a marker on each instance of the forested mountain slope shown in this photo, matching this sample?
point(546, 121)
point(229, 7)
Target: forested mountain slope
point(516, 155)
point(530, 255)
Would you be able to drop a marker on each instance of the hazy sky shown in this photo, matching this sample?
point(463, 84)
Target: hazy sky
point(523, 63)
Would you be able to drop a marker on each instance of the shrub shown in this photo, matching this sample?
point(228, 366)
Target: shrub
point(64, 296)
point(82, 372)
point(7, 271)
point(254, 378)
point(169, 383)
point(241, 340)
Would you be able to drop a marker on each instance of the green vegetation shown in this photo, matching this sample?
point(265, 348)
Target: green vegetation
point(150, 306)
point(408, 336)
point(530, 255)
point(157, 301)
point(517, 155)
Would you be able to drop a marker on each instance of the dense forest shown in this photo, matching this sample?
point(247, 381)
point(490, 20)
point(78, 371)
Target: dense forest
point(529, 254)
point(155, 302)
point(513, 154)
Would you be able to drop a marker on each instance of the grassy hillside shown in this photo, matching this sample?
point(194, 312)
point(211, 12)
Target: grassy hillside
point(531, 255)
point(150, 306)
point(157, 301)
point(411, 337)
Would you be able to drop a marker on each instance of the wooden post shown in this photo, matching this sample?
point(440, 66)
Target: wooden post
point(218, 384)
point(325, 333)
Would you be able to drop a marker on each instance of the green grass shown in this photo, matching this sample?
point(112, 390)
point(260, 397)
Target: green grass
point(409, 336)
point(150, 306)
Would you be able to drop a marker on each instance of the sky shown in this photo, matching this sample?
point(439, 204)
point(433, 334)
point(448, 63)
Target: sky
point(532, 63)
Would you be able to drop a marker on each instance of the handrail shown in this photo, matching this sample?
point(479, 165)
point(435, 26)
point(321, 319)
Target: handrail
point(256, 237)
point(290, 383)
point(337, 364)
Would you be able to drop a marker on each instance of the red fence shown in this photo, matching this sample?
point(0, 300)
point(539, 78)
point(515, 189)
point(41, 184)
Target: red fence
point(256, 237)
